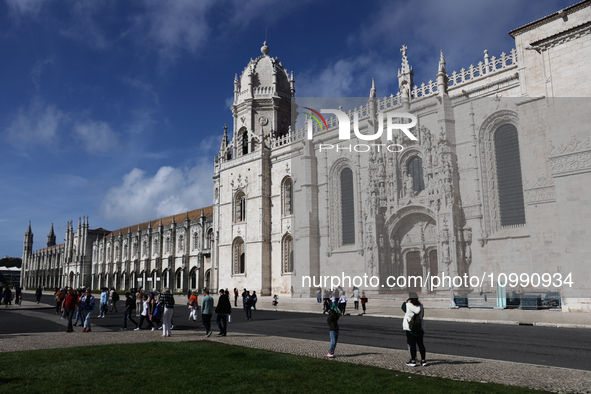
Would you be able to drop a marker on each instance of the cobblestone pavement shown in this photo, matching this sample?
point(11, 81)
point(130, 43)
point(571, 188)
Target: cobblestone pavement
point(553, 379)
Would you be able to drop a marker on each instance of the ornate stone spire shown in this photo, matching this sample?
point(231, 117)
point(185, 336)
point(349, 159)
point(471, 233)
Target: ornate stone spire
point(442, 80)
point(372, 92)
point(405, 74)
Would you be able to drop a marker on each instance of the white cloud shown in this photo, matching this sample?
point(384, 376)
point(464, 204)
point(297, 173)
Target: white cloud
point(170, 191)
point(19, 8)
point(172, 27)
point(96, 136)
point(36, 125)
point(346, 78)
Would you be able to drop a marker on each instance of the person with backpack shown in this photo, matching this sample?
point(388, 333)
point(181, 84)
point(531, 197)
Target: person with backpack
point(413, 325)
point(129, 308)
point(333, 326)
point(193, 307)
point(87, 304)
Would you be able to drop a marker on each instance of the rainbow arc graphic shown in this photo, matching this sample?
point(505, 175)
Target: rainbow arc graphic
point(313, 116)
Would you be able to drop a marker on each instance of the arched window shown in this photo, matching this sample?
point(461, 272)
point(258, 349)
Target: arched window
point(125, 250)
point(196, 240)
point(194, 278)
point(116, 252)
point(135, 246)
point(239, 207)
point(287, 254)
point(415, 170)
point(181, 243)
point(244, 141)
point(179, 279)
point(238, 256)
point(347, 207)
point(287, 197)
point(167, 244)
point(155, 245)
point(511, 204)
point(144, 248)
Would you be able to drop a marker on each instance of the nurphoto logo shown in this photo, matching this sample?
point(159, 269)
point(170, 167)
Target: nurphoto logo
point(395, 121)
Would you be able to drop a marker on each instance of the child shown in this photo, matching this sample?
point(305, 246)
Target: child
point(275, 300)
point(333, 325)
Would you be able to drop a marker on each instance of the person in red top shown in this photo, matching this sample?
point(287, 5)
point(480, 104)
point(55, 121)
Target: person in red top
point(69, 306)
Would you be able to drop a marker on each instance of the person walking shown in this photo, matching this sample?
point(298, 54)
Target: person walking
point(207, 311)
point(130, 306)
point(156, 309)
point(79, 315)
point(275, 300)
point(18, 298)
point(356, 298)
point(333, 326)
point(114, 299)
point(254, 300)
point(145, 315)
point(87, 305)
point(38, 294)
point(413, 325)
point(7, 297)
point(167, 300)
point(103, 305)
point(343, 303)
point(223, 310)
point(247, 300)
point(235, 297)
point(363, 301)
point(193, 307)
point(59, 297)
point(69, 307)
point(319, 295)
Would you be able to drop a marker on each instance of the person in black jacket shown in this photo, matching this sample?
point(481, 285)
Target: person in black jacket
point(333, 325)
point(38, 294)
point(223, 310)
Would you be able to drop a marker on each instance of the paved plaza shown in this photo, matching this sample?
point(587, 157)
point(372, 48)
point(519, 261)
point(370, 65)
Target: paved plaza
point(553, 379)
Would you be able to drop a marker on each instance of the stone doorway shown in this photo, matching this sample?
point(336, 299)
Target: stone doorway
point(413, 268)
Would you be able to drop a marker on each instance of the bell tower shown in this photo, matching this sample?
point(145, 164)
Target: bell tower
point(242, 175)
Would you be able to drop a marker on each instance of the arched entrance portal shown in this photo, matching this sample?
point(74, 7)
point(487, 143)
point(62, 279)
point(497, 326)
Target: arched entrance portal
point(413, 249)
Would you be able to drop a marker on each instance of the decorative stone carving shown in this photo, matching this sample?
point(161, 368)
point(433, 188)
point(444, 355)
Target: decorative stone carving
point(572, 158)
point(539, 191)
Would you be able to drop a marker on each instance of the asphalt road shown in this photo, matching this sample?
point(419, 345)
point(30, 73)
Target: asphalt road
point(558, 347)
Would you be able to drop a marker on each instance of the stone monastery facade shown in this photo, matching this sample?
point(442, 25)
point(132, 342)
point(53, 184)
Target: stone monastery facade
point(495, 182)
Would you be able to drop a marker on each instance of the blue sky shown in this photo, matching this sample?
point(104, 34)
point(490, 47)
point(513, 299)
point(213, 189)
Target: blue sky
point(114, 109)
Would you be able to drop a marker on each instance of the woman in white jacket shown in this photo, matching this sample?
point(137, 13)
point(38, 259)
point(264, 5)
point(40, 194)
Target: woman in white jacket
point(414, 335)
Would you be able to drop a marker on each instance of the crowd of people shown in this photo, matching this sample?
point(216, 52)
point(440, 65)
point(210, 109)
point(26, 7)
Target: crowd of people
point(156, 309)
point(338, 296)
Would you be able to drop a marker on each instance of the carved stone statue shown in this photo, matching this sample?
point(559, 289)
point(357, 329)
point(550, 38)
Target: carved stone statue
point(409, 185)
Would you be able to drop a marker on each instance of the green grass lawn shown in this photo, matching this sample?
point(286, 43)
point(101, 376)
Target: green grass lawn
point(206, 367)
